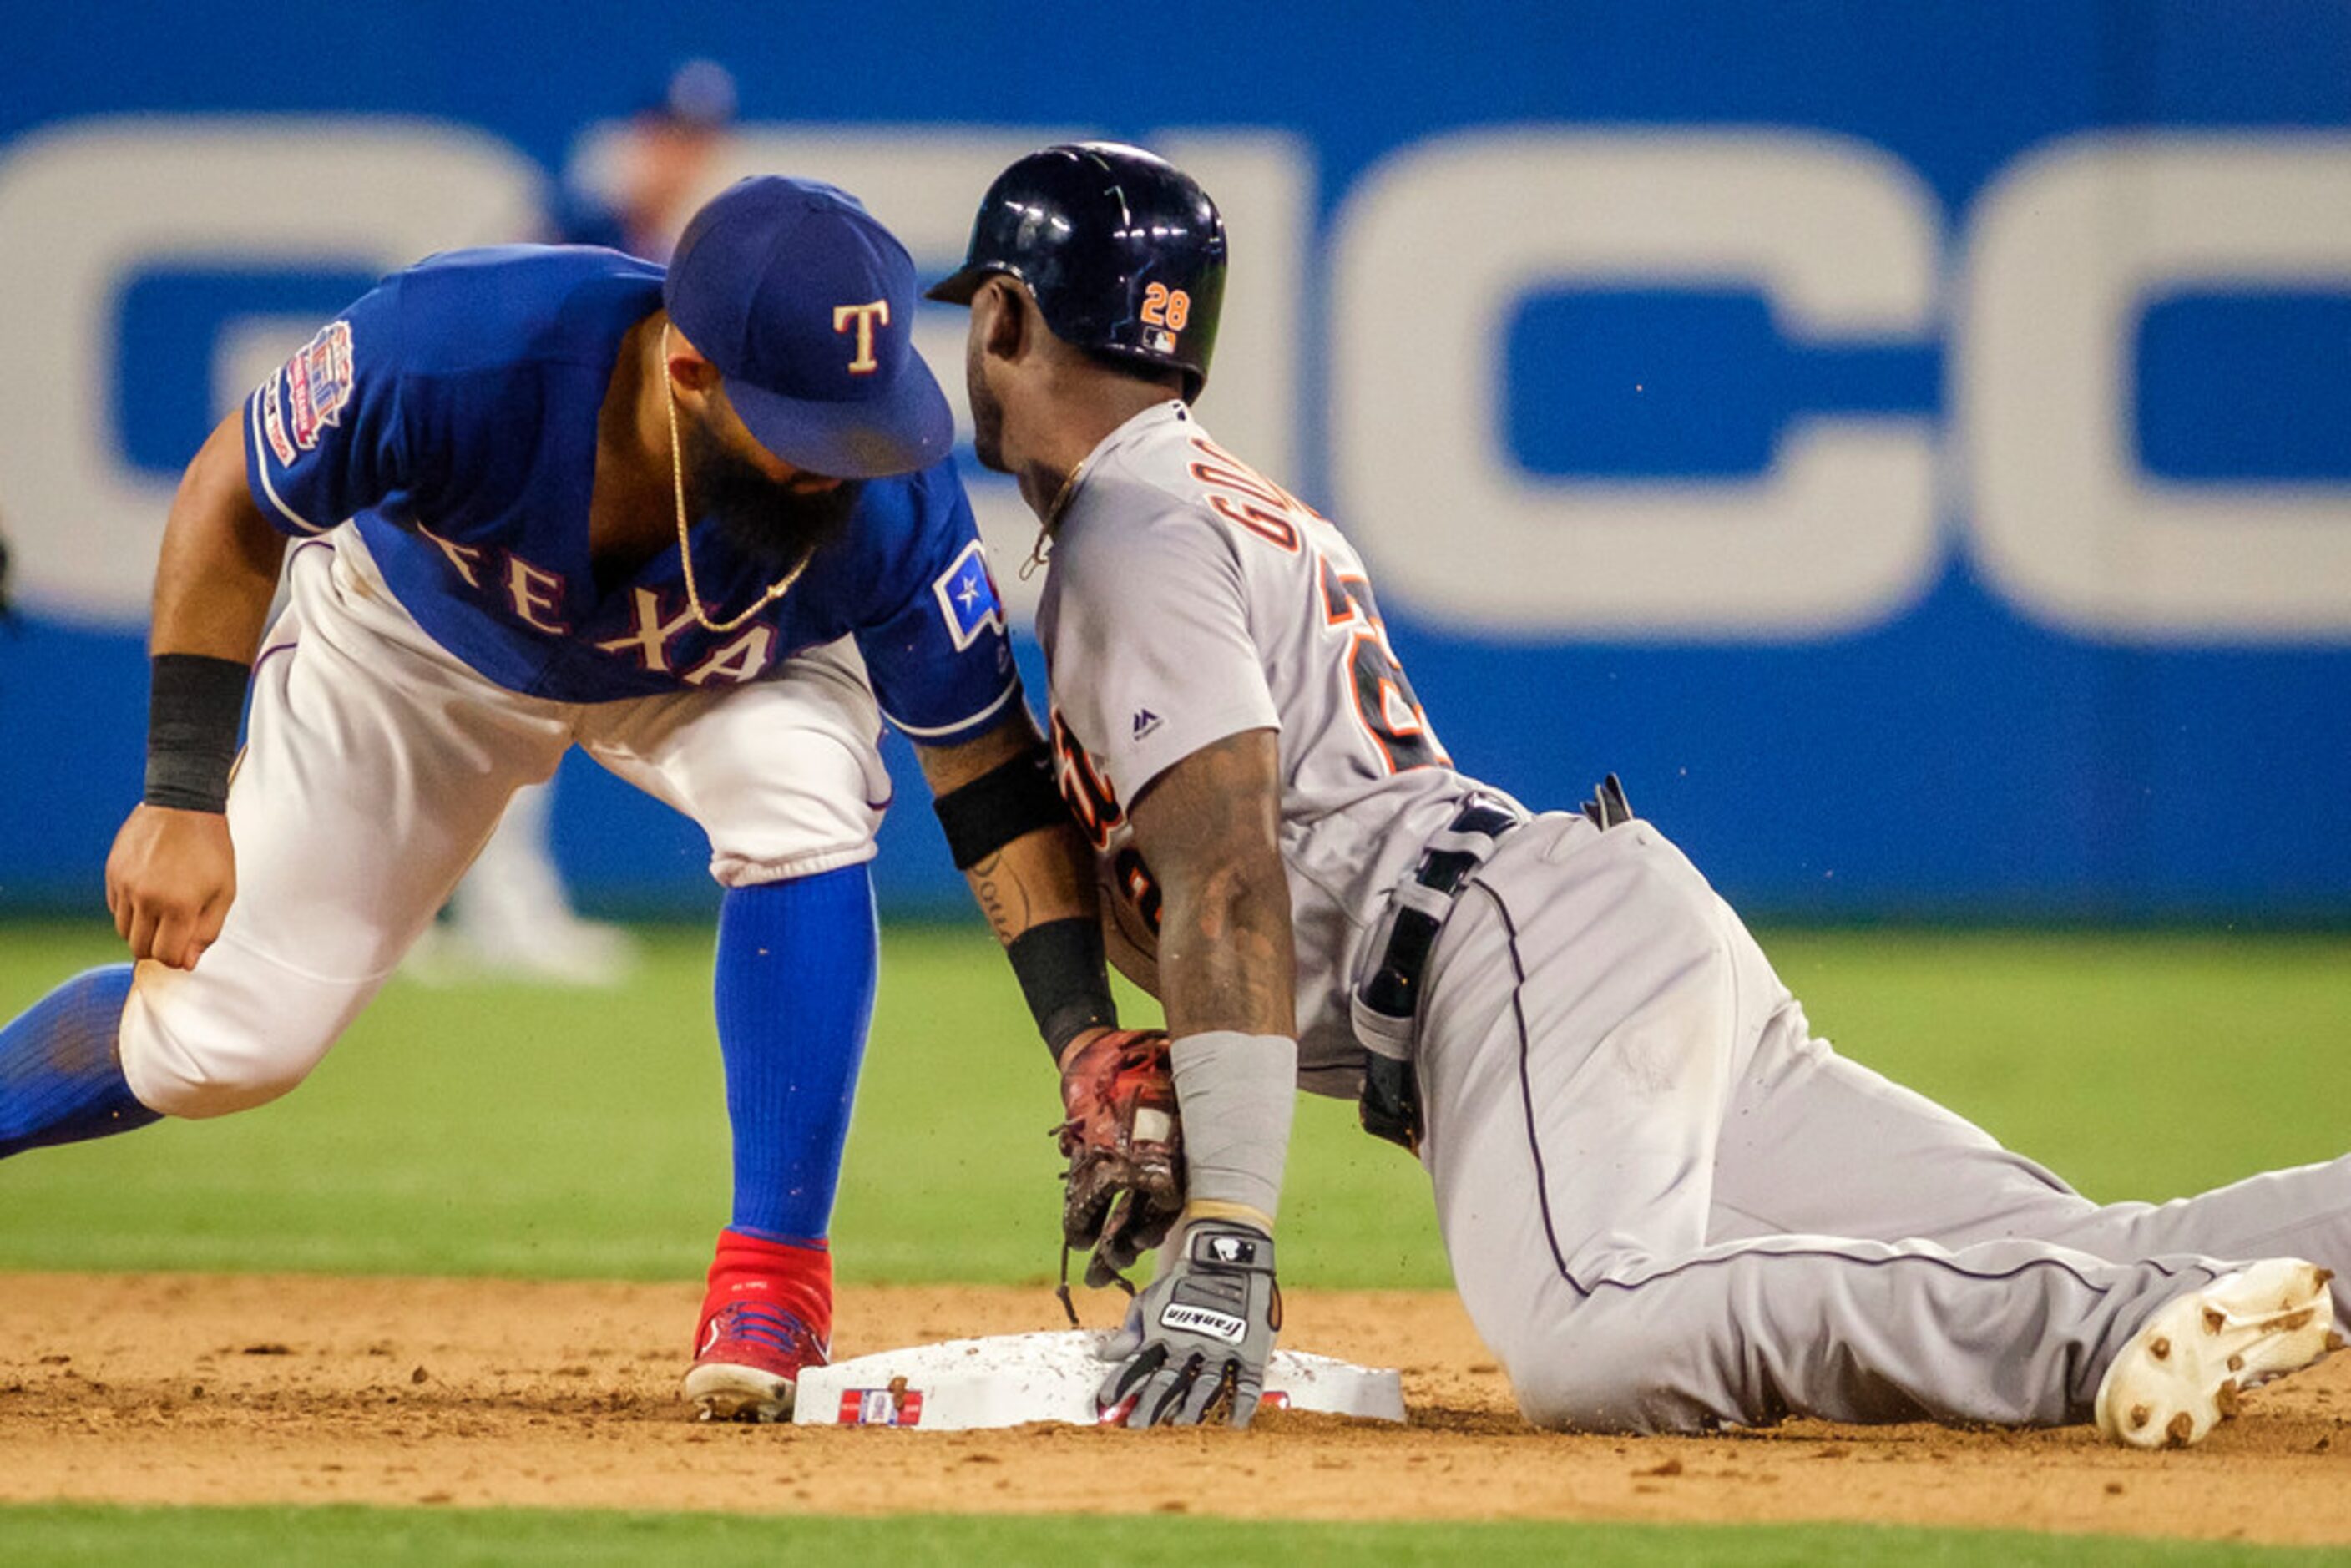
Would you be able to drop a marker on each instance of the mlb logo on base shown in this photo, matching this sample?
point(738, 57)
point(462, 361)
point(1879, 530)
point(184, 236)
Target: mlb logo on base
point(880, 1407)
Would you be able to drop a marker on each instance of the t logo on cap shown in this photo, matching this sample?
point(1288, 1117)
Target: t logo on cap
point(755, 286)
point(865, 316)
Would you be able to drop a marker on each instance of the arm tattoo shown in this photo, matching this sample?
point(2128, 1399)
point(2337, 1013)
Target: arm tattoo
point(1043, 875)
point(1003, 896)
point(1209, 826)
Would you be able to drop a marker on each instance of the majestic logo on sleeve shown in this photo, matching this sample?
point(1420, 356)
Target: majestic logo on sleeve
point(968, 598)
point(863, 319)
point(319, 383)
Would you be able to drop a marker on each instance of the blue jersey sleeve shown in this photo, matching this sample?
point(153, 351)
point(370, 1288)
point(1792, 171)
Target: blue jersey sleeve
point(324, 435)
point(941, 664)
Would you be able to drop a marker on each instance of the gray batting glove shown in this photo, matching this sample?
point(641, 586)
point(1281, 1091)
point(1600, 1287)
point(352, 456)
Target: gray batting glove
point(1195, 1341)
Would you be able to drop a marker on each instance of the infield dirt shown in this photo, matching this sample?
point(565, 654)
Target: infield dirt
point(298, 1389)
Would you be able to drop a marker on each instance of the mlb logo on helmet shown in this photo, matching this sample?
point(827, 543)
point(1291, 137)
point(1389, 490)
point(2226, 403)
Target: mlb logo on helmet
point(803, 302)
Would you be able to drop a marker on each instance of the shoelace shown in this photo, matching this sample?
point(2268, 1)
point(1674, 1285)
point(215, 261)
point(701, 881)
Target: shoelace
point(762, 1324)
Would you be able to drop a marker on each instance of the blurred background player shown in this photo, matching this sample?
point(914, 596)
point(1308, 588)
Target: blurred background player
point(512, 917)
point(633, 188)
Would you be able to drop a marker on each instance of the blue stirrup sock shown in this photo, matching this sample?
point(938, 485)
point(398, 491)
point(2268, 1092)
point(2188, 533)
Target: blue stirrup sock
point(795, 993)
point(60, 1070)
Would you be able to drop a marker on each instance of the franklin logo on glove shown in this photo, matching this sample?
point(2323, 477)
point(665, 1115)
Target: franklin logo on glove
point(1200, 1320)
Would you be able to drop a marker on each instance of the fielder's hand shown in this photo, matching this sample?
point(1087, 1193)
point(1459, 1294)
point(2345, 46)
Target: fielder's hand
point(169, 882)
point(1126, 1167)
point(1196, 1343)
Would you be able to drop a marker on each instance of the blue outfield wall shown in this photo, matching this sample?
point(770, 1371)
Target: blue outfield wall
point(1910, 444)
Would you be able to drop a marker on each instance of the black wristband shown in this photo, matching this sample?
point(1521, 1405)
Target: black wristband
point(1063, 972)
point(1013, 798)
point(192, 710)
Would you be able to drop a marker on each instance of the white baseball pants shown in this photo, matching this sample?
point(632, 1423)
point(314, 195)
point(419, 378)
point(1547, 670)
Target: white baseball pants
point(376, 765)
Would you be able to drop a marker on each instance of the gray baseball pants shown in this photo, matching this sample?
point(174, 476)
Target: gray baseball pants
point(1669, 1208)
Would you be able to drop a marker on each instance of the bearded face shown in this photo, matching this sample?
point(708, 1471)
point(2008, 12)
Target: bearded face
point(777, 526)
point(987, 410)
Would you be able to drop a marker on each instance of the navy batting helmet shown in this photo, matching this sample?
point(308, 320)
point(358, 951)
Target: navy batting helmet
point(1123, 251)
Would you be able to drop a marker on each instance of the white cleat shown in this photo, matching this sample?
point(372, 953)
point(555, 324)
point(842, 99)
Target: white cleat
point(722, 1392)
point(2180, 1374)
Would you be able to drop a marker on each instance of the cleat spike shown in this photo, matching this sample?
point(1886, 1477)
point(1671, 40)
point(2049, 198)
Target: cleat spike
point(2187, 1368)
point(2322, 1276)
point(2334, 1340)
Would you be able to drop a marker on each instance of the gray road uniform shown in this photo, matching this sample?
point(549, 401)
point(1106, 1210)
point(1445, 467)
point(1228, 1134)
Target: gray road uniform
point(1667, 1205)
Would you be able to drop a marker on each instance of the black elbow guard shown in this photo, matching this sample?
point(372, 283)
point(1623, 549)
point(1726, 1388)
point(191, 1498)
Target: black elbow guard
point(1009, 802)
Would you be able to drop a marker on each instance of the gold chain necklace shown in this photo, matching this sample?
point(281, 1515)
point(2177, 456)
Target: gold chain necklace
point(1041, 552)
point(684, 552)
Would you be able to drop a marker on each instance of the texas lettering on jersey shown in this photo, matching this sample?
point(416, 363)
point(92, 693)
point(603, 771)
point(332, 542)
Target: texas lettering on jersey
point(535, 597)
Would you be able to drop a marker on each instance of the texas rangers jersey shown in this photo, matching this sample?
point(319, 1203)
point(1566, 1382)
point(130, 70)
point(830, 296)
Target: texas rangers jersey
point(1189, 599)
point(451, 414)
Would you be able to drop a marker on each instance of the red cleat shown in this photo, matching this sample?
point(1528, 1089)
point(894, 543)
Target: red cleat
point(752, 1356)
point(766, 1315)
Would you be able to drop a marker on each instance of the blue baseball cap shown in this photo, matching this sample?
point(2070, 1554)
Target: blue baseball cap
point(806, 307)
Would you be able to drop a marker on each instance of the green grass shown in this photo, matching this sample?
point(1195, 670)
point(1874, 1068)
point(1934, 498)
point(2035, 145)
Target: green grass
point(510, 1130)
point(239, 1537)
point(503, 1129)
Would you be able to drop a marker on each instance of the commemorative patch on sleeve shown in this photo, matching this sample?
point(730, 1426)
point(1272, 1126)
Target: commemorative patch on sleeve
point(967, 597)
point(319, 383)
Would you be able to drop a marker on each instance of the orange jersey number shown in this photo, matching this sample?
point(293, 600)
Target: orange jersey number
point(1382, 692)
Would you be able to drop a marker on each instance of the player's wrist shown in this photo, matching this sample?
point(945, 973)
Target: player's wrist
point(195, 703)
point(1065, 978)
point(1209, 1210)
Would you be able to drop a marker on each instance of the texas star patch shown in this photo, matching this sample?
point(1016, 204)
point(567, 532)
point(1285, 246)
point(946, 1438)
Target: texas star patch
point(968, 598)
point(319, 382)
